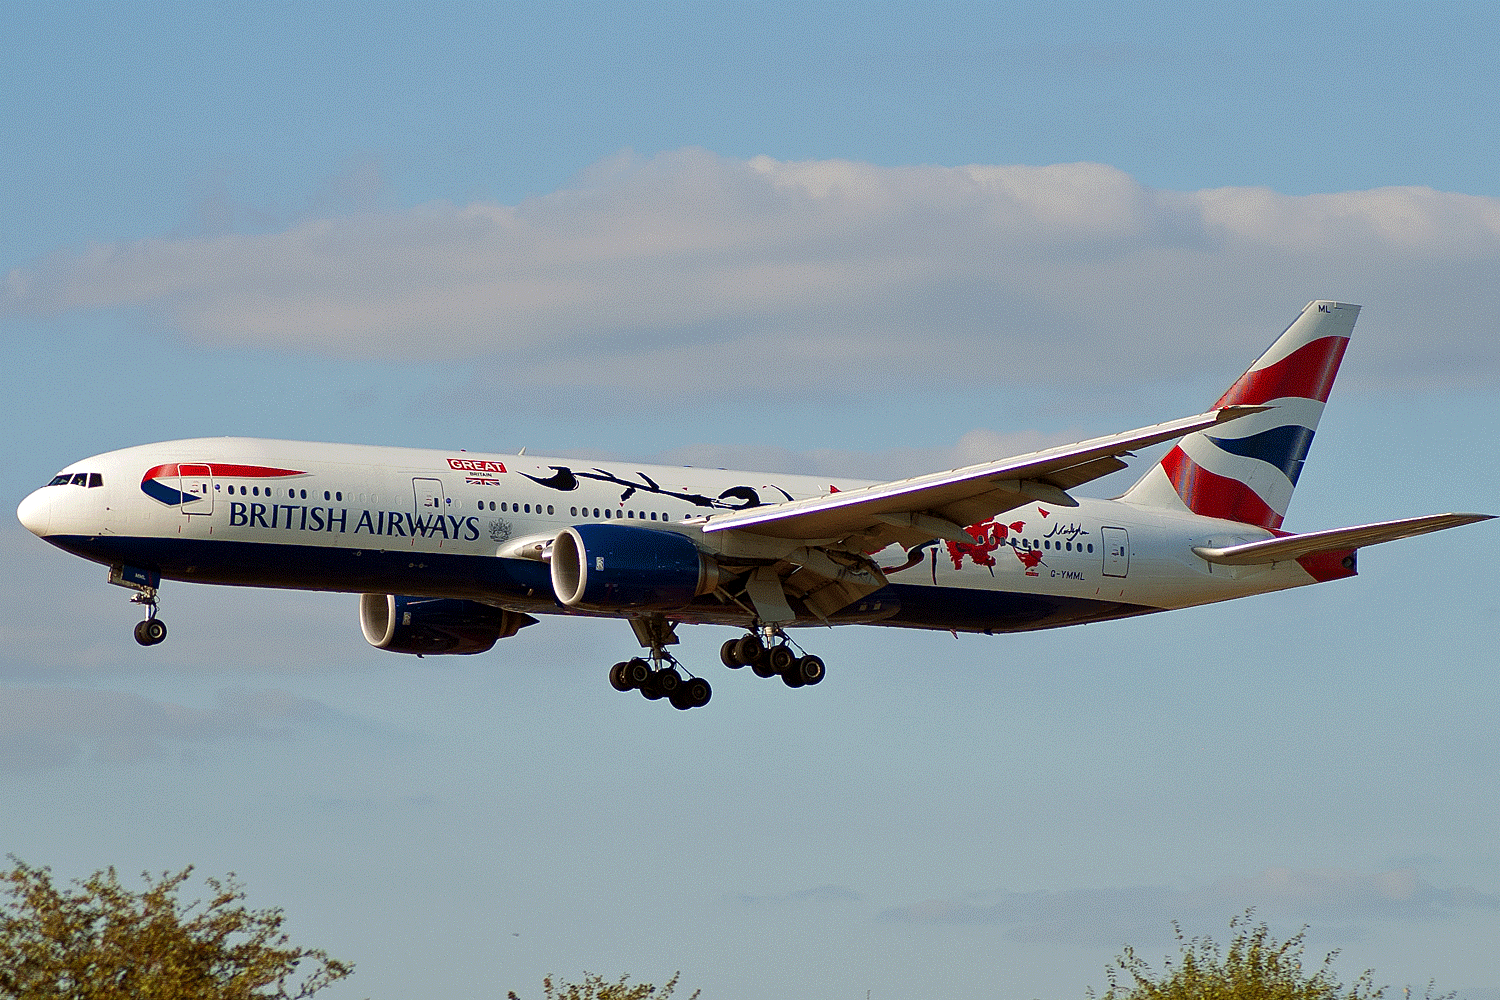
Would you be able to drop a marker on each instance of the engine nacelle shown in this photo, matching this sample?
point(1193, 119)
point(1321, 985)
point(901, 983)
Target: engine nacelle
point(429, 625)
point(611, 566)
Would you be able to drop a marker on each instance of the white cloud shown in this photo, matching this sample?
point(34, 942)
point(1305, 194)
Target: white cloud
point(42, 728)
point(720, 274)
point(1112, 916)
point(816, 894)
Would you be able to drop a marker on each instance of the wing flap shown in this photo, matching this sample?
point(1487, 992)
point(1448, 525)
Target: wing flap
point(1336, 539)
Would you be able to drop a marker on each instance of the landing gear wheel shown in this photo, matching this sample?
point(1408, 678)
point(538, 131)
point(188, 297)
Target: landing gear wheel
point(792, 679)
point(729, 653)
point(652, 691)
point(636, 673)
point(748, 648)
point(691, 694)
point(762, 666)
point(667, 680)
point(811, 669)
point(150, 632)
point(617, 678)
point(696, 692)
point(780, 659)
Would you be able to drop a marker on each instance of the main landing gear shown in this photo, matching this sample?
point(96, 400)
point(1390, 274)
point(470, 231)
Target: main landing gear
point(660, 681)
point(767, 651)
point(660, 677)
point(772, 658)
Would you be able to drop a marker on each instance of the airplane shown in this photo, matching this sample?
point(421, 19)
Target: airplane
point(451, 551)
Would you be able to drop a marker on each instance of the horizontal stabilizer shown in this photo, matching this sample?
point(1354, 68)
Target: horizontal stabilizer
point(1334, 540)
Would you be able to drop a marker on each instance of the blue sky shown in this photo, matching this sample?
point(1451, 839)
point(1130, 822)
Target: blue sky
point(883, 240)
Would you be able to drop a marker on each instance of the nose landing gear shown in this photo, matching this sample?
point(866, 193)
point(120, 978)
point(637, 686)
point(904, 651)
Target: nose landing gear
point(144, 582)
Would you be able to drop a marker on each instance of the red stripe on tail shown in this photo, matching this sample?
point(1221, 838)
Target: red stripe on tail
point(1212, 495)
point(1307, 373)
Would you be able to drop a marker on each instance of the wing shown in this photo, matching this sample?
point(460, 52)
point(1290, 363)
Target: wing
point(1337, 539)
point(912, 511)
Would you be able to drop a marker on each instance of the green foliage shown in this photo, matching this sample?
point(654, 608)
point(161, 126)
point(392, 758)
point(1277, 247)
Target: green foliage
point(1256, 967)
point(97, 940)
point(596, 988)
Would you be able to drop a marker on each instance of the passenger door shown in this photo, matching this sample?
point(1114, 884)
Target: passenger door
point(1116, 551)
point(196, 483)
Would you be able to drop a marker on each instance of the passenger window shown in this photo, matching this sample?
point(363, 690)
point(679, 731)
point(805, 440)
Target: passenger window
point(549, 508)
point(337, 496)
point(326, 496)
point(596, 511)
point(255, 490)
point(574, 510)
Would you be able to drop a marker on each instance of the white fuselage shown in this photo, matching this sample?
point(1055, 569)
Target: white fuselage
point(364, 519)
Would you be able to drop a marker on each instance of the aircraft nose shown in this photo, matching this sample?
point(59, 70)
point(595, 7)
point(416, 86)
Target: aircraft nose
point(35, 513)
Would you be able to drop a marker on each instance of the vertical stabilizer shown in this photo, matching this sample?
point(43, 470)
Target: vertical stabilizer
point(1246, 470)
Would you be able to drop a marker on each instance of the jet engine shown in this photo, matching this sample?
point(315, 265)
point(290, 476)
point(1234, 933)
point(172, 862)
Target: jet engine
point(427, 625)
point(605, 567)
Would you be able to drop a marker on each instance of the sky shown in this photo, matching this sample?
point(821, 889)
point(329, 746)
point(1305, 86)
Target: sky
point(871, 241)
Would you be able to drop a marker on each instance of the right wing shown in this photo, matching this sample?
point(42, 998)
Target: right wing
point(913, 511)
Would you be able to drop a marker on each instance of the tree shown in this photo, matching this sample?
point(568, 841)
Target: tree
point(596, 988)
point(1256, 967)
point(97, 940)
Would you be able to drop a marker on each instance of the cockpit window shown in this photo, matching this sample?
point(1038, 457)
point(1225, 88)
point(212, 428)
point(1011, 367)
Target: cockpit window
point(85, 479)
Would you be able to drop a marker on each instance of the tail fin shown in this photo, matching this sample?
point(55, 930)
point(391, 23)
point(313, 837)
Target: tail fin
point(1246, 471)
